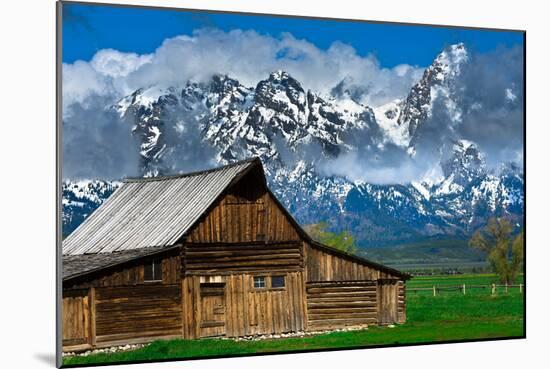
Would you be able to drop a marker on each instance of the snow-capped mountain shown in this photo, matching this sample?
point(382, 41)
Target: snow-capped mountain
point(295, 130)
point(403, 118)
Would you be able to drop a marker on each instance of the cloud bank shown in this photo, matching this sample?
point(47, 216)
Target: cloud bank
point(488, 93)
point(484, 104)
point(90, 87)
point(491, 96)
point(245, 55)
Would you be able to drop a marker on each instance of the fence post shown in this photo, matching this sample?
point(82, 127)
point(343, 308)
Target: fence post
point(520, 287)
point(464, 288)
point(493, 289)
point(434, 290)
point(506, 287)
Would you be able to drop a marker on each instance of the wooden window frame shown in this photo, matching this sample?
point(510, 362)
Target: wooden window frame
point(271, 281)
point(265, 287)
point(268, 282)
point(152, 263)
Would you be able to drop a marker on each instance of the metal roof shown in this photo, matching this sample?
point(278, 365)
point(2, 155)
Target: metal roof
point(77, 265)
point(152, 212)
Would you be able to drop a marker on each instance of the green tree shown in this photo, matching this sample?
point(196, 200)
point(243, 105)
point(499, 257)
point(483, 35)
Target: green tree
point(342, 241)
point(505, 253)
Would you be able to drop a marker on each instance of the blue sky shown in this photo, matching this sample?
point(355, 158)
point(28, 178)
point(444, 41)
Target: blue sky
point(90, 28)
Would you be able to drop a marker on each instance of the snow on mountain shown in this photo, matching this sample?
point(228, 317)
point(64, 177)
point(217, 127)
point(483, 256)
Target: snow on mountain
point(402, 118)
point(293, 130)
point(80, 198)
point(387, 117)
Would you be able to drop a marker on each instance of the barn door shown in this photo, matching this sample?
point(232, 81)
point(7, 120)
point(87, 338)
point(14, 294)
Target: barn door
point(387, 302)
point(212, 309)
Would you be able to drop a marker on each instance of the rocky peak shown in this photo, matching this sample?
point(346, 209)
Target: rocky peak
point(222, 83)
point(449, 62)
point(465, 162)
point(282, 92)
point(223, 87)
point(439, 75)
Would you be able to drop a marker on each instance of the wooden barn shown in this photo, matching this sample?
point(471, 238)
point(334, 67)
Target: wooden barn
point(211, 253)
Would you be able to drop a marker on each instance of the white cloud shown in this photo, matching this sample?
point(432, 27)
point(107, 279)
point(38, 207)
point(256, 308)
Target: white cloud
point(114, 63)
point(80, 81)
point(245, 55)
point(89, 86)
point(105, 75)
point(373, 169)
point(510, 96)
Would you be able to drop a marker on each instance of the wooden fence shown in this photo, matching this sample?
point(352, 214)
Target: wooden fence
point(463, 288)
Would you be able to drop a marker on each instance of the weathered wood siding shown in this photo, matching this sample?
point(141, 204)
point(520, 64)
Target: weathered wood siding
point(132, 273)
point(246, 310)
point(212, 309)
point(333, 305)
point(217, 259)
point(388, 302)
point(76, 317)
point(322, 265)
point(267, 311)
point(244, 215)
point(124, 313)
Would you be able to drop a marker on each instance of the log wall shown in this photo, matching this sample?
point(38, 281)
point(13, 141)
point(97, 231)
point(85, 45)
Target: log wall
point(125, 313)
point(332, 305)
point(219, 259)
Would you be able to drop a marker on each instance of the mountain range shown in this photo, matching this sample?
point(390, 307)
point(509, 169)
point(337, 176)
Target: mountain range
point(326, 156)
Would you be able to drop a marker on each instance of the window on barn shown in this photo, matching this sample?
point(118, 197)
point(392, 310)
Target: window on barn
point(259, 282)
point(278, 281)
point(153, 271)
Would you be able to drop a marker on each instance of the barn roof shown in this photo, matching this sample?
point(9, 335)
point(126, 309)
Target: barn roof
point(152, 212)
point(77, 265)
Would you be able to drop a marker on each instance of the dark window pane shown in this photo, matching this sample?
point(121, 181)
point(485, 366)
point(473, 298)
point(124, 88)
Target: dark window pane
point(157, 267)
point(152, 270)
point(259, 282)
point(148, 271)
point(277, 281)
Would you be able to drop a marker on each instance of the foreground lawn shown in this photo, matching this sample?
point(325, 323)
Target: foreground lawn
point(447, 317)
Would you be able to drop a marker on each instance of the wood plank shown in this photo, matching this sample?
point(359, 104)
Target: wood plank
point(92, 304)
point(196, 305)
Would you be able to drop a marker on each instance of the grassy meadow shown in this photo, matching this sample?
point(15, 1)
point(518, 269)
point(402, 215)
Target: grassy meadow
point(449, 316)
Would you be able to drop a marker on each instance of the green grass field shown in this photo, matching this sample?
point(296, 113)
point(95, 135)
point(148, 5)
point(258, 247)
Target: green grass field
point(449, 316)
point(454, 280)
